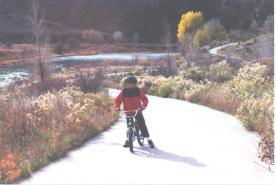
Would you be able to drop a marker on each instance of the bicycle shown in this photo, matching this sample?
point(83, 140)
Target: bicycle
point(133, 131)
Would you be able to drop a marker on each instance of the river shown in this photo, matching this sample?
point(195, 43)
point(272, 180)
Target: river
point(19, 72)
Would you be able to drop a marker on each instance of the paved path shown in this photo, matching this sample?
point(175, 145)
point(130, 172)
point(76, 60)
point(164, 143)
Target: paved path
point(195, 145)
point(214, 51)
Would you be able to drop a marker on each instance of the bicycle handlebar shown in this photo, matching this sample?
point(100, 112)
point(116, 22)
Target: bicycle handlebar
point(136, 112)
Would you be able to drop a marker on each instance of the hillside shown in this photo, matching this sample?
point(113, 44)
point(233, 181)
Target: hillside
point(129, 16)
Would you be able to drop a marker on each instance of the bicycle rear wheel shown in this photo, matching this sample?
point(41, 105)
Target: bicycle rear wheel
point(140, 139)
point(139, 136)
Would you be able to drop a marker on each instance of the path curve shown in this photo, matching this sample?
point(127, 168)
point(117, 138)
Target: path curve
point(195, 145)
point(214, 51)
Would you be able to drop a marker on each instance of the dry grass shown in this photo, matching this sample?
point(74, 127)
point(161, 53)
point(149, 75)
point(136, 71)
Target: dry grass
point(36, 130)
point(219, 98)
point(88, 81)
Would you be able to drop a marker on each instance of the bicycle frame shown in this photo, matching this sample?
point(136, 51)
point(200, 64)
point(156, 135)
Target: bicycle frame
point(133, 130)
point(132, 123)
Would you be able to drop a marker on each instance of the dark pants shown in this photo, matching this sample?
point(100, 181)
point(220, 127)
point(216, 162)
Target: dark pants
point(142, 124)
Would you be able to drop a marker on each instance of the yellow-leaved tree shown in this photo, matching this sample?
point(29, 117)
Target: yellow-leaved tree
point(212, 30)
point(189, 23)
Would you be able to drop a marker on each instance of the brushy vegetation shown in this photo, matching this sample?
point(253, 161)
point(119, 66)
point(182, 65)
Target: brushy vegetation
point(250, 82)
point(88, 81)
point(92, 36)
point(165, 90)
point(245, 91)
point(220, 72)
point(257, 114)
point(36, 130)
point(118, 36)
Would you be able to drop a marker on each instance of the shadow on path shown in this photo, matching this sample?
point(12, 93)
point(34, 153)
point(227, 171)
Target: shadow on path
point(160, 154)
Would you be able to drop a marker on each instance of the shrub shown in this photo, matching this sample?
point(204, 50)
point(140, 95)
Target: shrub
point(249, 81)
point(52, 84)
point(89, 82)
point(36, 88)
point(150, 84)
point(73, 44)
point(195, 92)
point(118, 36)
point(92, 36)
point(59, 48)
point(165, 90)
point(13, 109)
point(270, 67)
point(70, 44)
point(195, 76)
point(220, 72)
point(192, 72)
point(258, 115)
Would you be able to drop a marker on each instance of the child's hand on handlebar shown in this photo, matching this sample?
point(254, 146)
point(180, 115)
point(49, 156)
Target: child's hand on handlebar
point(117, 109)
point(143, 107)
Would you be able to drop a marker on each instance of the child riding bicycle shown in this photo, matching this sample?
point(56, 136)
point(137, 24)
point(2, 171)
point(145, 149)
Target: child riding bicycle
point(133, 98)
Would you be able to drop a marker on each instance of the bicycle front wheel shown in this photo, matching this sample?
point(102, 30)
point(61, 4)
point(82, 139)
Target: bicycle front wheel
point(130, 139)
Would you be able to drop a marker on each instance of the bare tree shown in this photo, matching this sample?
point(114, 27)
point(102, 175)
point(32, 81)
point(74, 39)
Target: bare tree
point(190, 51)
point(42, 66)
point(135, 40)
point(168, 44)
point(118, 36)
point(268, 25)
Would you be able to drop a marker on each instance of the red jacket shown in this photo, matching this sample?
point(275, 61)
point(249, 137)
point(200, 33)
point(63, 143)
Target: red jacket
point(132, 99)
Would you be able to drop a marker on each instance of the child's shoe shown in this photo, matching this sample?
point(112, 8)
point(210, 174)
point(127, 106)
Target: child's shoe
point(150, 143)
point(126, 144)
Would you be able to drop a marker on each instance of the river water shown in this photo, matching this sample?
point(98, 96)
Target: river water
point(18, 72)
